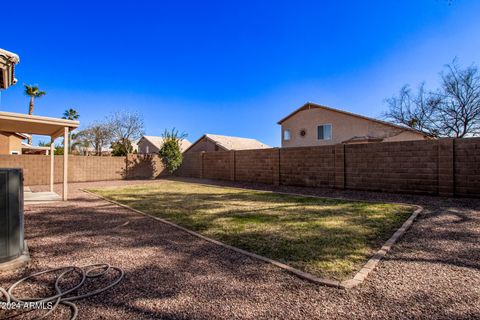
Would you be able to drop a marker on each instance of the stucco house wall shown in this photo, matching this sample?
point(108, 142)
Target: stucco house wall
point(9, 143)
point(145, 146)
point(344, 127)
point(204, 144)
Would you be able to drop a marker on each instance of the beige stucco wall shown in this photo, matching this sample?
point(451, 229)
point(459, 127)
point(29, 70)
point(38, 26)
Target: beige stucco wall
point(344, 127)
point(10, 142)
point(142, 147)
point(203, 145)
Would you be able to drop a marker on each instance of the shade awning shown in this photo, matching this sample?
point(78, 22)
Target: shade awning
point(46, 126)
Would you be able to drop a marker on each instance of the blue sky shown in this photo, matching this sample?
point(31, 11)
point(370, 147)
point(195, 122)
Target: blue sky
point(230, 67)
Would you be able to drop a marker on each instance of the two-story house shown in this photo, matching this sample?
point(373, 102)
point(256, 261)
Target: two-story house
point(317, 125)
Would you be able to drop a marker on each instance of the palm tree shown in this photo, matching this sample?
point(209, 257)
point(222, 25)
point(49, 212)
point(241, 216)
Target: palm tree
point(70, 114)
point(33, 92)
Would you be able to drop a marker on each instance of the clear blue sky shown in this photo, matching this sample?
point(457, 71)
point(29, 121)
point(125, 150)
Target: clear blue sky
point(230, 67)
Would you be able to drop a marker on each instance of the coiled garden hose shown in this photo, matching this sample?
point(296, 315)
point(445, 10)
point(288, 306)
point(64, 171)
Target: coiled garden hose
point(63, 297)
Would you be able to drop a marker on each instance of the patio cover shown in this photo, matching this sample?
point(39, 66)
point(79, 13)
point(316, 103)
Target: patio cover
point(53, 127)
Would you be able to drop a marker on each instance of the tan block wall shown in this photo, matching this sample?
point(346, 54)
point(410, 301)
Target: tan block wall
point(36, 168)
point(444, 167)
point(467, 167)
point(191, 165)
point(216, 165)
point(311, 166)
point(404, 167)
point(255, 165)
point(144, 166)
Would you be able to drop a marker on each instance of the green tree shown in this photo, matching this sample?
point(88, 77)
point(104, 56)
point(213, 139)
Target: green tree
point(58, 150)
point(70, 114)
point(121, 148)
point(170, 151)
point(33, 92)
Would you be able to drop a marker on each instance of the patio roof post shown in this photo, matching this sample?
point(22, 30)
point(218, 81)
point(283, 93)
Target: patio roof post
point(65, 164)
point(52, 164)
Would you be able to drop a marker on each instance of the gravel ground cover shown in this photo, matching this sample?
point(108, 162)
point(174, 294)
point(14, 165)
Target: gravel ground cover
point(432, 273)
point(328, 238)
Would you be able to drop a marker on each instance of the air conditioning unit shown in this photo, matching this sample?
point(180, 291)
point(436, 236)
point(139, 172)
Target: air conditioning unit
point(12, 243)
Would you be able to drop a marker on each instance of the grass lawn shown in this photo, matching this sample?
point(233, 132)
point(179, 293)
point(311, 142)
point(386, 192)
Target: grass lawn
point(325, 237)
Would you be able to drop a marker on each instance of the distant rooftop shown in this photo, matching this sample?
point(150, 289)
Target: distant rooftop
point(235, 143)
point(158, 142)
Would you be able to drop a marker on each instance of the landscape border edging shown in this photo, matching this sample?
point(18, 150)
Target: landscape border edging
point(359, 277)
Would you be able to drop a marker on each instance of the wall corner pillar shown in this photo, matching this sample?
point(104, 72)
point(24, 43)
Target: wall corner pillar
point(276, 166)
point(339, 156)
point(446, 167)
point(232, 165)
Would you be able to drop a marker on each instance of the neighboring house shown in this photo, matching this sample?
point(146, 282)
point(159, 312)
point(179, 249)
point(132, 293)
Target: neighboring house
point(314, 125)
point(82, 150)
point(29, 149)
point(7, 68)
point(11, 142)
point(135, 146)
point(215, 142)
point(152, 144)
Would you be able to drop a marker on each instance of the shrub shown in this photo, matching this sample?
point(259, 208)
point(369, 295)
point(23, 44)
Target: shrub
point(170, 151)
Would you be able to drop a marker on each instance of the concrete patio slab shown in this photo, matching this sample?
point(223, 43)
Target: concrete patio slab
point(40, 197)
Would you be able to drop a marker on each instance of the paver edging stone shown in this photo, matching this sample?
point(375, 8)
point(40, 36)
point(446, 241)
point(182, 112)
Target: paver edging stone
point(359, 277)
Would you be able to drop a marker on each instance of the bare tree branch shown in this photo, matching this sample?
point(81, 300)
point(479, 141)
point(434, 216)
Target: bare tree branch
point(453, 110)
point(126, 127)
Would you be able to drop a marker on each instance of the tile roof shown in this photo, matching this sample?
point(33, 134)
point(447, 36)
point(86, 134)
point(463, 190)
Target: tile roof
point(158, 141)
point(235, 143)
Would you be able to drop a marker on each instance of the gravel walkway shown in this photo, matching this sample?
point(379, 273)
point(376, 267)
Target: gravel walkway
point(432, 273)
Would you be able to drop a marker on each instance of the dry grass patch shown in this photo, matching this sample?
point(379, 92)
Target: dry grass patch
point(325, 237)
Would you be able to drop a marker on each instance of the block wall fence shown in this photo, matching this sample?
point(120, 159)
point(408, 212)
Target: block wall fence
point(445, 167)
point(36, 168)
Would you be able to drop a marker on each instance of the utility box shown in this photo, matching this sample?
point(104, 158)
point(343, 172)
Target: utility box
point(11, 214)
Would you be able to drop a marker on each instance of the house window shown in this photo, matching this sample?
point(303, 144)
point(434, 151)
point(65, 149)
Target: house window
point(14, 152)
point(286, 135)
point(324, 132)
point(147, 149)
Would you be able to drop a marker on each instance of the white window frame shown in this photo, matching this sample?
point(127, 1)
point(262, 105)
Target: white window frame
point(288, 132)
point(331, 131)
